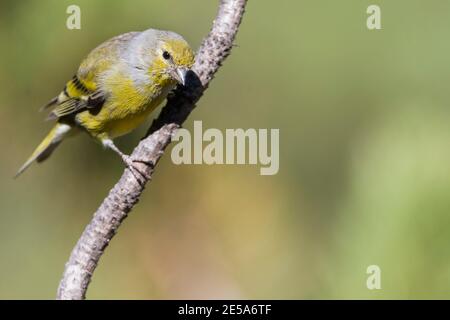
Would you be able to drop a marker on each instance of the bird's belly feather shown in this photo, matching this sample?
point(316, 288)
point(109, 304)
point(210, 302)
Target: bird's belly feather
point(118, 118)
point(121, 113)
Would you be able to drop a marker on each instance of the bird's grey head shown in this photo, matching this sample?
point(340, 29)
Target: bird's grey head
point(157, 55)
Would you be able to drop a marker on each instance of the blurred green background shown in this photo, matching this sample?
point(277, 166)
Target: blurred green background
point(364, 156)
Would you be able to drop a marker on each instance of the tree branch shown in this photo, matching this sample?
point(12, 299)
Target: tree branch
point(125, 194)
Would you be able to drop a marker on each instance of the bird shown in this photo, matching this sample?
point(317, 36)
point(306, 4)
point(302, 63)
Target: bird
point(115, 89)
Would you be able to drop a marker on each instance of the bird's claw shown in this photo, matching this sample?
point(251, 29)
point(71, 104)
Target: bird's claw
point(131, 165)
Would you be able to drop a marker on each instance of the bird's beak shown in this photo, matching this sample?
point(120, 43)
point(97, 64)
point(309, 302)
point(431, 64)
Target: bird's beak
point(179, 74)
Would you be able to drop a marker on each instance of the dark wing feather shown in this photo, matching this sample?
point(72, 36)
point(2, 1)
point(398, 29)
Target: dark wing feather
point(70, 106)
point(49, 104)
point(65, 108)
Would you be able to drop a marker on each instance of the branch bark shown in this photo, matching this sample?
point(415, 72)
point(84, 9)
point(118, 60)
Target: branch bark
point(127, 191)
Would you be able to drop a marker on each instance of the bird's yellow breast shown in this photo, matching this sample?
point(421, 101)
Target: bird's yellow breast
point(126, 107)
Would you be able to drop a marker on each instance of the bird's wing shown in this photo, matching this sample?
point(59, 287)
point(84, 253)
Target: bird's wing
point(84, 90)
point(78, 95)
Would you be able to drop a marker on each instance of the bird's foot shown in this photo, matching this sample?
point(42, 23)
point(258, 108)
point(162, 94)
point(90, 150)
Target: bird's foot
point(137, 170)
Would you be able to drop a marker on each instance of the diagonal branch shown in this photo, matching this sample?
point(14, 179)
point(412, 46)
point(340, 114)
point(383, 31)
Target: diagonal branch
point(125, 194)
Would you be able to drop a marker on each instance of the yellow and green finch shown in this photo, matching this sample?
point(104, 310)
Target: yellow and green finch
point(115, 89)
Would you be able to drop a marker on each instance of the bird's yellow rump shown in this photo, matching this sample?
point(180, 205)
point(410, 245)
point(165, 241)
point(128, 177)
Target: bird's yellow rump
point(115, 89)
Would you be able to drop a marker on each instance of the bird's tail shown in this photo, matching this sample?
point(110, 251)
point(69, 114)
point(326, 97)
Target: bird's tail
point(46, 147)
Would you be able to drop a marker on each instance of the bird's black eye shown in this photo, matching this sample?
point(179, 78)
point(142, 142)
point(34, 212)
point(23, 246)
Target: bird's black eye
point(166, 55)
